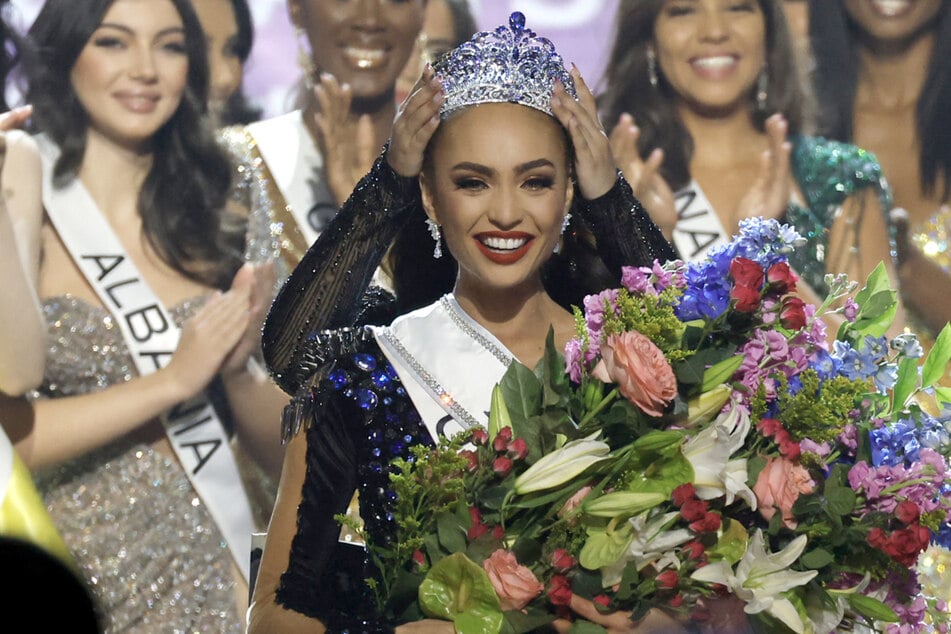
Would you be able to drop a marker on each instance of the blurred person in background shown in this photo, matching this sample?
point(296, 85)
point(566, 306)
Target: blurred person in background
point(710, 110)
point(883, 78)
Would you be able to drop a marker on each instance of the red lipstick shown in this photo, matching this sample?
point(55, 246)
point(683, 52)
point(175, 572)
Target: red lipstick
point(504, 247)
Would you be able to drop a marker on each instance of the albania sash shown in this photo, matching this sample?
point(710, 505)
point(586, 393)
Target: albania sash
point(698, 228)
point(193, 427)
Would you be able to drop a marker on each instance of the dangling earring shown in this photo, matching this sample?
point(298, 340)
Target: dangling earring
point(652, 68)
point(564, 227)
point(305, 61)
point(434, 232)
point(762, 90)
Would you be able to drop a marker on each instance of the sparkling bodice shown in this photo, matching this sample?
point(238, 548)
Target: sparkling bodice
point(150, 551)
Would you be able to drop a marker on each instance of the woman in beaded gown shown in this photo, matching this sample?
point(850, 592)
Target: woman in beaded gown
point(117, 88)
point(495, 178)
point(710, 111)
point(884, 83)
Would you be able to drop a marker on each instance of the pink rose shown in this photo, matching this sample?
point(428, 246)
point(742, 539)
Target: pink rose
point(515, 584)
point(575, 501)
point(640, 370)
point(778, 486)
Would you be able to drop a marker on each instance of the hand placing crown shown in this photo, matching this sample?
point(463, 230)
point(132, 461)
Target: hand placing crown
point(508, 65)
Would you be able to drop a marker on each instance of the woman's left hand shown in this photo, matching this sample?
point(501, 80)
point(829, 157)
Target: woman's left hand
point(655, 621)
point(769, 195)
point(260, 279)
point(594, 165)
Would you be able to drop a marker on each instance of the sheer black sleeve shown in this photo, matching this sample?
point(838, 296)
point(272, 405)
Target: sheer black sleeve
point(624, 232)
point(327, 288)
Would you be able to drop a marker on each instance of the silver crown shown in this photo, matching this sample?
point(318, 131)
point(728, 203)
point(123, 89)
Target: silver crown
point(508, 65)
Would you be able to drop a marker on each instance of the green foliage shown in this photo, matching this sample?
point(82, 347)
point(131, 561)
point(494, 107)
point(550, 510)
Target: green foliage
point(458, 590)
point(819, 414)
point(653, 317)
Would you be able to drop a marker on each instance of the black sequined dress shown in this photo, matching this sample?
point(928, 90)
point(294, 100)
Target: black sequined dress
point(348, 398)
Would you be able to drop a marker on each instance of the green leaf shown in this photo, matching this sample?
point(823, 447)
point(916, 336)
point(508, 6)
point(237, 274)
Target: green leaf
point(720, 372)
point(906, 384)
point(522, 393)
point(499, 416)
point(452, 534)
point(551, 374)
point(942, 394)
point(732, 543)
point(816, 559)
point(528, 620)
point(871, 609)
point(586, 627)
point(603, 548)
point(936, 363)
point(840, 501)
point(458, 590)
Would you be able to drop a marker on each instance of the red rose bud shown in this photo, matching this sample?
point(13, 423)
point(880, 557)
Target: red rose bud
point(781, 278)
point(419, 558)
point(475, 515)
point(519, 448)
point(683, 493)
point(769, 427)
point(479, 436)
point(502, 466)
point(790, 449)
point(602, 599)
point(502, 439)
point(905, 545)
point(747, 273)
point(476, 531)
point(747, 299)
point(676, 601)
point(907, 512)
point(876, 538)
point(562, 560)
point(708, 524)
point(793, 314)
point(559, 590)
point(668, 579)
point(693, 510)
point(693, 550)
point(471, 458)
point(498, 532)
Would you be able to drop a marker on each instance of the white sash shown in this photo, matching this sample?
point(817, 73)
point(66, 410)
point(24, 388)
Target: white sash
point(292, 158)
point(448, 364)
point(193, 427)
point(6, 465)
point(698, 228)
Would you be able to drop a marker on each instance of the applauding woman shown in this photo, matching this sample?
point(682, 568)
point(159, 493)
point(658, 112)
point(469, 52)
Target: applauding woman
point(493, 161)
point(136, 463)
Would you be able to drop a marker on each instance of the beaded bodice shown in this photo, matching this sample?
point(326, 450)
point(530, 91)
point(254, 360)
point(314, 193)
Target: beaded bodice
point(828, 172)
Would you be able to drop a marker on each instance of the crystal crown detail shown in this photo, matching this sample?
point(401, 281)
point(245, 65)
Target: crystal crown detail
point(508, 65)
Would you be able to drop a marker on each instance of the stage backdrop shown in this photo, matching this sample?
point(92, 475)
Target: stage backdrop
point(581, 29)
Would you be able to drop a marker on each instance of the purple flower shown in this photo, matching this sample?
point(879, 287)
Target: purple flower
point(573, 359)
point(810, 446)
point(849, 437)
point(851, 310)
point(637, 280)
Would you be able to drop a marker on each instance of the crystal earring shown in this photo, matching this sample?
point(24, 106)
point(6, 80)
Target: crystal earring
point(434, 232)
point(762, 90)
point(652, 68)
point(564, 227)
point(305, 61)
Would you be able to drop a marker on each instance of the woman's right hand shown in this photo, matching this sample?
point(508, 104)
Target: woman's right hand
point(654, 622)
point(207, 339)
point(415, 125)
point(644, 175)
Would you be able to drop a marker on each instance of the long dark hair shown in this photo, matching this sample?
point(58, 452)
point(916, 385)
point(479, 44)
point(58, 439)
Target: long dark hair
point(238, 109)
point(419, 279)
point(628, 88)
point(835, 47)
point(182, 199)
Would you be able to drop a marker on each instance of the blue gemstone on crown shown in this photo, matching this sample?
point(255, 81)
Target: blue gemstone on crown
point(508, 65)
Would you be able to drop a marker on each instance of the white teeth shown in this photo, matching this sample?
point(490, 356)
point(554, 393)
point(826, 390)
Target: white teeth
point(721, 61)
point(365, 57)
point(891, 7)
point(504, 244)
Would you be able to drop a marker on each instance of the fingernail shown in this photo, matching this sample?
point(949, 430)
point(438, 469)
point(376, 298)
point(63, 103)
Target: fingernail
point(325, 76)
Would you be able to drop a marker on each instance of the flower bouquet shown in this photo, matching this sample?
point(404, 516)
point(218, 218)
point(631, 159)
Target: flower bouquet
point(701, 443)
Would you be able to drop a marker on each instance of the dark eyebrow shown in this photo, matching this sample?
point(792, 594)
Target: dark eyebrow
point(488, 171)
point(176, 30)
point(541, 162)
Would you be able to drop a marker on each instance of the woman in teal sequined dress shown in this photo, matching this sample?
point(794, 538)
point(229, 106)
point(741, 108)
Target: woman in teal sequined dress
point(710, 112)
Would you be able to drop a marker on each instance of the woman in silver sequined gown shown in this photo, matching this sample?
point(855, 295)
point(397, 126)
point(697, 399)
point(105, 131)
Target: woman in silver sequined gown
point(117, 87)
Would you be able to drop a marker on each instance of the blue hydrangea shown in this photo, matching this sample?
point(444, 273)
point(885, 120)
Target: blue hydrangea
point(895, 444)
point(856, 365)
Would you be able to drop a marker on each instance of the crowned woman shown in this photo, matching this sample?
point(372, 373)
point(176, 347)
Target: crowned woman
point(498, 160)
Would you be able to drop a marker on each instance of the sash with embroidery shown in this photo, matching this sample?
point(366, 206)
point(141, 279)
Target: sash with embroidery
point(448, 363)
point(193, 427)
point(698, 228)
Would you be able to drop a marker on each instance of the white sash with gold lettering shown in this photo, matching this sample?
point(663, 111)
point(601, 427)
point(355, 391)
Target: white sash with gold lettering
point(698, 228)
point(193, 427)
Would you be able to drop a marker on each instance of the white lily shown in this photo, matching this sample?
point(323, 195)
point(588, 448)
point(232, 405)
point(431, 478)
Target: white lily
point(761, 578)
point(562, 465)
point(651, 544)
point(709, 454)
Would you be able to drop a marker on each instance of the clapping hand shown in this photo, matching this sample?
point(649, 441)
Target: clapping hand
point(594, 165)
point(415, 125)
point(348, 145)
point(644, 175)
point(769, 195)
point(258, 280)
